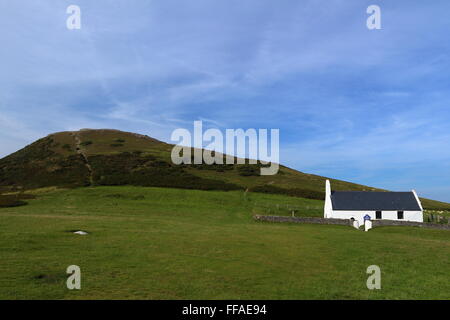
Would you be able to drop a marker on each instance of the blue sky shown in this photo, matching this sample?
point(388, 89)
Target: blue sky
point(367, 106)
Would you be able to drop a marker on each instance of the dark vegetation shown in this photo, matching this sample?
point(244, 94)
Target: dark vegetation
point(213, 167)
point(125, 196)
point(86, 143)
point(14, 200)
point(132, 169)
point(38, 165)
point(248, 170)
point(294, 192)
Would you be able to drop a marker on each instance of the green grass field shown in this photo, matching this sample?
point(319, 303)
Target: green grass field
point(156, 243)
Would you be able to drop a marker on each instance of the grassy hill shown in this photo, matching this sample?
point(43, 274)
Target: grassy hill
point(111, 157)
point(168, 243)
point(148, 241)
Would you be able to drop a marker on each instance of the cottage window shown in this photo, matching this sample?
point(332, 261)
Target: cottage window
point(378, 215)
point(400, 215)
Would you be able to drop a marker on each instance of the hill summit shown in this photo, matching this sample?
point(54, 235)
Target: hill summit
point(90, 157)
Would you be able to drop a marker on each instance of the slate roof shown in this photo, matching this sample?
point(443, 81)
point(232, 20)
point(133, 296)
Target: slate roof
point(362, 200)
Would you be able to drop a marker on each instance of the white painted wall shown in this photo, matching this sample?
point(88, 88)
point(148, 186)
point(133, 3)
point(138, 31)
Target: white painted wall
point(416, 216)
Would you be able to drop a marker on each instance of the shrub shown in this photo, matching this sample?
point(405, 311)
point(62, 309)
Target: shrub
point(125, 196)
point(131, 169)
point(249, 169)
point(38, 166)
point(295, 192)
point(10, 201)
point(213, 167)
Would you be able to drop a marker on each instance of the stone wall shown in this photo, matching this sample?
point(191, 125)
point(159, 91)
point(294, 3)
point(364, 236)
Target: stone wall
point(302, 220)
point(343, 222)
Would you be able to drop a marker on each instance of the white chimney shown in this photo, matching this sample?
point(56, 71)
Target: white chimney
point(327, 208)
point(327, 189)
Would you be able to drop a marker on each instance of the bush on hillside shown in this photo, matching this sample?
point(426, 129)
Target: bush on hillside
point(213, 167)
point(7, 201)
point(38, 166)
point(295, 192)
point(248, 170)
point(132, 169)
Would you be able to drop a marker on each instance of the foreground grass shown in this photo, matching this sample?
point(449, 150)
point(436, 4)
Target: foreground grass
point(154, 243)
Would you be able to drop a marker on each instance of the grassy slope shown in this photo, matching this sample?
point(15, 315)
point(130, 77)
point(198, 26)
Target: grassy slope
point(157, 243)
point(54, 161)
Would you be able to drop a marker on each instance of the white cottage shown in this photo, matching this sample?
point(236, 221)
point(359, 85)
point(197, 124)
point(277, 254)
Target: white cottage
point(403, 206)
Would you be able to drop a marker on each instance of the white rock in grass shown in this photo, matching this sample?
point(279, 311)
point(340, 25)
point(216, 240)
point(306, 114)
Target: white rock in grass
point(80, 232)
